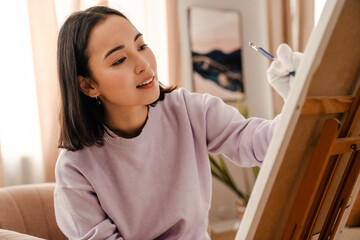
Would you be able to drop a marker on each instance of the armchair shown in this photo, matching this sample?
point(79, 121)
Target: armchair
point(27, 212)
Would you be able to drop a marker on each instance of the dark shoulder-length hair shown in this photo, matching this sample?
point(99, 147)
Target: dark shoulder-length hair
point(81, 119)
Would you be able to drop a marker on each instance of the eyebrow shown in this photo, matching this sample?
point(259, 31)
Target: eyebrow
point(121, 46)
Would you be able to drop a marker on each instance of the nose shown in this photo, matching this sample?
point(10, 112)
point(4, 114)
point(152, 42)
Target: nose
point(141, 65)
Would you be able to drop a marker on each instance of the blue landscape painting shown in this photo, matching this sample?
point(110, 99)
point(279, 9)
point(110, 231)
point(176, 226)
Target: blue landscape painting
point(224, 69)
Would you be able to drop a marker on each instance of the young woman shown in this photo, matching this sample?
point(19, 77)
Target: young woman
point(134, 163)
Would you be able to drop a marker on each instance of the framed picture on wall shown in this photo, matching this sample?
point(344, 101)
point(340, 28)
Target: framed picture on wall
point(227, 26)
point(216, 52)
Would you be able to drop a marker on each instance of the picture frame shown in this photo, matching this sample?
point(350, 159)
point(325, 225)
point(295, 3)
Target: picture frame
point(215, 37)
point(253, 22)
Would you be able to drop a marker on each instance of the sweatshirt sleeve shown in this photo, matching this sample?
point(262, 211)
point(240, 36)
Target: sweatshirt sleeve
point(77, 209)
point(243, 141)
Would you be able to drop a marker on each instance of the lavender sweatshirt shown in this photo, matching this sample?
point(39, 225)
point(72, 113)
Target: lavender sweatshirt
point(158, 184)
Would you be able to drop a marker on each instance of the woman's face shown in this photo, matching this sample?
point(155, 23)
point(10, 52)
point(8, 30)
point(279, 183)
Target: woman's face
point(123, 66)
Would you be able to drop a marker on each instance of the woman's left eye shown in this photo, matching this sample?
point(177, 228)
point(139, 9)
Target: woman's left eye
point(120, 61)
point(142, 47)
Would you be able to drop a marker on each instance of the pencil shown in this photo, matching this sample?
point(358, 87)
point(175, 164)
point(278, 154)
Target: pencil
point(263, 52)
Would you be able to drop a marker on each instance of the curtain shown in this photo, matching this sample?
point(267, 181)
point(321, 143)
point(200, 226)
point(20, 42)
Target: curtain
point(1, 171)
point(173, 40)
point(21, 155)
point(290, 22)
point(43, 32)
point(305, 23)
point(75, 6)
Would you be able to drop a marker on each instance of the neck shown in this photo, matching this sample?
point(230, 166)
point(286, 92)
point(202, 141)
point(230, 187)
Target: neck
point(127, 122)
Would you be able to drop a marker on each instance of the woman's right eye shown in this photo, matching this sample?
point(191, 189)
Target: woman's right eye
point(121, 60)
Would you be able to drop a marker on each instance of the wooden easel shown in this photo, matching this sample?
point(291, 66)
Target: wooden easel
point(313, 162)
point(334, 141)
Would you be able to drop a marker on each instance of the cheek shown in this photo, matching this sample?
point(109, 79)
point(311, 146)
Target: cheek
point(115, 89)
point(114, 76)
point(114, 84)
point(116, 81)
point(107, 76)
point(152, 60)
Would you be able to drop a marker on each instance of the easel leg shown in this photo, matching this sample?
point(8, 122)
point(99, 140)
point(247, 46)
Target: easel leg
point(342, 197)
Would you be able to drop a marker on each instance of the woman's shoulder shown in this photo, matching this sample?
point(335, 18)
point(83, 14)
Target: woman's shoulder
point(189, 104)
point(75, 164)
point(178, 93)
point(72, 159)
point(66, 155)
point(183, 95)
point(72, 169)
point(179, 99)
point(66, 159)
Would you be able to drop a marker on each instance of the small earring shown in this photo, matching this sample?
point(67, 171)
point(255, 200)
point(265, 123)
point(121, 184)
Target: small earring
point(98, 101)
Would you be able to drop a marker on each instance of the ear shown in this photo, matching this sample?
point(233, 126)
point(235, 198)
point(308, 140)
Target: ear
point(87, 86)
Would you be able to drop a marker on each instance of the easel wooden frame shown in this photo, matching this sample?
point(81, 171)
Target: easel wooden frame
point(311, 170)
point(333, 142)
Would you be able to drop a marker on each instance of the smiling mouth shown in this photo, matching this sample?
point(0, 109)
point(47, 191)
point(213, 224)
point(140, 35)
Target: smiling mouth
point(145, 83)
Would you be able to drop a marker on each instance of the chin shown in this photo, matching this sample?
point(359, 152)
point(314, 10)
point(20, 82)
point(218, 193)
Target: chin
point(156, 94)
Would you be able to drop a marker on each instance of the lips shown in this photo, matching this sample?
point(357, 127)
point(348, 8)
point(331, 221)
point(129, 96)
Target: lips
point(147, 81)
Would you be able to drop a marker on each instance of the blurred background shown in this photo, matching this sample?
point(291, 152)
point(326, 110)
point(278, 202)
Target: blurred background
point(29, 99)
